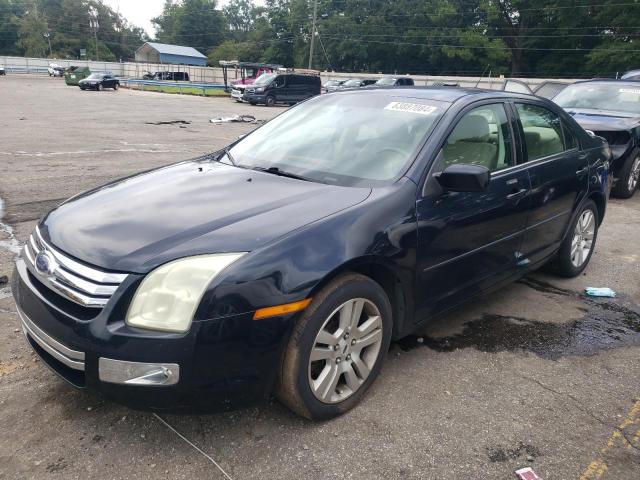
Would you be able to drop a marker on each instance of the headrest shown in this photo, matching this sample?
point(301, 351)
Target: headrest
point(472, 128)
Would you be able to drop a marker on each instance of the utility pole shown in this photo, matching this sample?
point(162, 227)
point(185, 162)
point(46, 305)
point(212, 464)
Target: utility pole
point(313, 32)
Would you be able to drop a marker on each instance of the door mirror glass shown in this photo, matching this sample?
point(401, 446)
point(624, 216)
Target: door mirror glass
point(461, 177)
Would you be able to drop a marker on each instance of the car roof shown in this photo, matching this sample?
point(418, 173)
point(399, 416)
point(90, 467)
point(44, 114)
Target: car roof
point(441, 94)
point(610, 80)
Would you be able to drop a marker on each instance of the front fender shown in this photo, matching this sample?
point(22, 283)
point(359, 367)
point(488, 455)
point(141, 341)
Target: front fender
point(381, 230)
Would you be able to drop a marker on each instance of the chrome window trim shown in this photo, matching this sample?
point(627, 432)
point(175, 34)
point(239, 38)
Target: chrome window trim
point(71, 358)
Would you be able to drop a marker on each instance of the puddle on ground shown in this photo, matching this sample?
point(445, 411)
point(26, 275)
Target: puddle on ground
point(605, 326)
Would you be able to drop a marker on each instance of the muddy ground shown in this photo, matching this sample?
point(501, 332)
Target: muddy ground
point(535, 375)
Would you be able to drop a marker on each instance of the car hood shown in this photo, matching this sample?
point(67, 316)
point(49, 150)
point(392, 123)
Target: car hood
point(604, 120)
point(190, 208)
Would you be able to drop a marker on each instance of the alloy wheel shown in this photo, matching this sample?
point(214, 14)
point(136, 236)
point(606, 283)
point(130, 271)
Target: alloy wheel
point(345, 350)
point(583, 238)
point(634, 175)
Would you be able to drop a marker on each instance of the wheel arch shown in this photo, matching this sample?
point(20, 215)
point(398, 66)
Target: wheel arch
point(601, 204)
point(397, 286)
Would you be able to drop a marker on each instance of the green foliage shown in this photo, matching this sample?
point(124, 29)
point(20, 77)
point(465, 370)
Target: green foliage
point(547, 38)
point(197, 23)
point(24, 24)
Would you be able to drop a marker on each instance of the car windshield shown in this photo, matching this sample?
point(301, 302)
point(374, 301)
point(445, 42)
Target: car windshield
point(386, 81)
point(620, 97)
point(95, 76)
point(332, 83)
point(349, 140)
point(352, 83)
point(264, 79)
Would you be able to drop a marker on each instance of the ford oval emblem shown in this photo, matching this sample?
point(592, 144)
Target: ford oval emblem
point(45, 263)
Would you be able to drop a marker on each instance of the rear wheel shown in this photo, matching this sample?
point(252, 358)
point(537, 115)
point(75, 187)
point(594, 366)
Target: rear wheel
point(116, 86)
point(270, 101)
point(629, 177)
point(100, 87)
point(336, 349)
point(577, 248)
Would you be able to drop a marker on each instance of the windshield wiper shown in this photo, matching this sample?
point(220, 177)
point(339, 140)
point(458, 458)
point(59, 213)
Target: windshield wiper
point(280, 173)
point(226, 152)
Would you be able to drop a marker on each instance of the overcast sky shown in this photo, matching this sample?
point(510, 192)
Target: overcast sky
point(140, 12)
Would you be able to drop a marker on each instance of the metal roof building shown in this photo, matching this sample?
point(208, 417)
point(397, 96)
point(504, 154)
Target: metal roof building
point(152, 52)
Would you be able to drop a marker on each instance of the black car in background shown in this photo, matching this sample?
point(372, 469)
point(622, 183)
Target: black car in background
point(611, 110)
point(357, 83)
point(289, 88)
point(288, 261)
point(395, 82)
point(99, 81)
point(175, 76)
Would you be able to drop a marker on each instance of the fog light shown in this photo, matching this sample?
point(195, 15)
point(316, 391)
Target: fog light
point(138, 373)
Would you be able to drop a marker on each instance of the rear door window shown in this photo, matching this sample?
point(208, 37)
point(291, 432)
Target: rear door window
point(542, 129)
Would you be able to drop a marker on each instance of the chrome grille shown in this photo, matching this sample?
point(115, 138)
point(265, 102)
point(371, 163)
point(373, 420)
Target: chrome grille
point(75, 281)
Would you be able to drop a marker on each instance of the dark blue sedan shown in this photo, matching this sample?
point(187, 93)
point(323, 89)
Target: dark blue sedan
point(286, 263)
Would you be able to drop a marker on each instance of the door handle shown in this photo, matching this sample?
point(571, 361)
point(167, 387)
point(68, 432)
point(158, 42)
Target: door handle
point(516, 196)
point(583, 172)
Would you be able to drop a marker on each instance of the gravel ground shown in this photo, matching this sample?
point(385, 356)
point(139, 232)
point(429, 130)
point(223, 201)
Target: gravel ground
point(535, 375)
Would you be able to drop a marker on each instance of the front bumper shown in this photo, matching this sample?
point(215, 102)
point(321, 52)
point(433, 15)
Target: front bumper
point(219, 364)
point(237, 94)
point(254, 97)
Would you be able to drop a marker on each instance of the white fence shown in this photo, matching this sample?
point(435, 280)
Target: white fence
point(214, 74)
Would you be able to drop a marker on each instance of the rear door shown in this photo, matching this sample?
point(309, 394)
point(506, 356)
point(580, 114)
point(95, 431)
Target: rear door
point(559, 175)
point(467, 242)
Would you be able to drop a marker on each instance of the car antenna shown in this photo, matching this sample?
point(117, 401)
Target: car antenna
point(482, 75)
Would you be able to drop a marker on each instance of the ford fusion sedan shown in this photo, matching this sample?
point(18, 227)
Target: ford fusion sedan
point(287, 262)
point(99, 81)
point(610, 109)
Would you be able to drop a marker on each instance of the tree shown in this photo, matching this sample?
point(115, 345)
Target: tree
point(197, 23)
point(31, 34)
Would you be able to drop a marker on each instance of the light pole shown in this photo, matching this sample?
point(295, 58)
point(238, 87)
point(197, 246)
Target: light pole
point(313, 32)
point(48, 37)
point(93, 23)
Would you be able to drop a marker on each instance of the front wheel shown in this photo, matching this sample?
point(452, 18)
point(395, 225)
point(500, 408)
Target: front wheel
point(336, 349)
point(270, 101)
point(100, 87)
point(577, 248)
point(627, 183)
point(116, 86)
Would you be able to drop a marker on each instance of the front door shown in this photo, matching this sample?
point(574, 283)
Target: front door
point(559, 178)
point(469, 241)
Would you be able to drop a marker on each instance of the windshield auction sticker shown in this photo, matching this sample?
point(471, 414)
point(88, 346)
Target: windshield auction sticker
point(411, 108)
point(630, 90)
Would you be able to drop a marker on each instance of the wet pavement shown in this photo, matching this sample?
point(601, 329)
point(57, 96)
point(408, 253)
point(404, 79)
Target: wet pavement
point(536, 374)
point(605, 325)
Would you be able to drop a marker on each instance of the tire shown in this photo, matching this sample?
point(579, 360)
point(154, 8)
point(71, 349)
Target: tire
point(629, 177)
point(99, 87)
point(270, 101)
point(567, 264)
point(299, 385)
point(116, 87)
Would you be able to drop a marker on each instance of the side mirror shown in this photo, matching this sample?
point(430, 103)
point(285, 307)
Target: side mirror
point(464, 178)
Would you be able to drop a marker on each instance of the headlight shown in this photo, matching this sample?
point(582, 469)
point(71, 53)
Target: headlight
point(168, 297)
point(260, 90)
